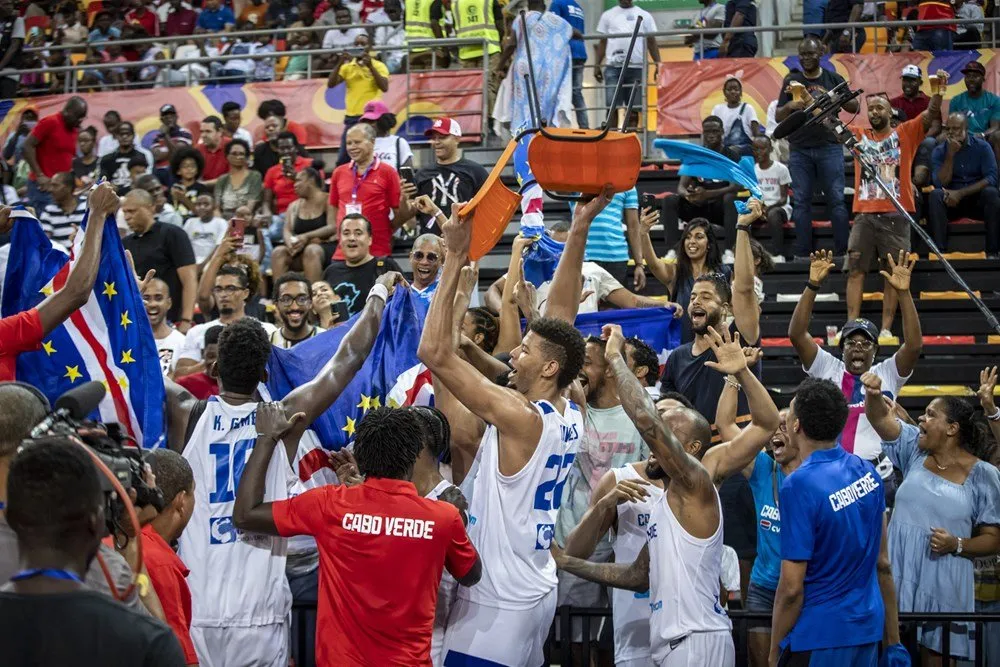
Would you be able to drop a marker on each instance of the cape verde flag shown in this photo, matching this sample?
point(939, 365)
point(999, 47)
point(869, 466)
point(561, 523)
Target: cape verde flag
point(108, 340)
point(391, 375)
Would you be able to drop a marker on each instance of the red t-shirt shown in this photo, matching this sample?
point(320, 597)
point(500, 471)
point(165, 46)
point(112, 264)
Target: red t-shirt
point(216, 163)
point(377, 191)
point(18, 333)
point(935, 10)
point(149, 21)
point(381, 552)
point(282, 186)
point(56, 145)
point(201, 385)
point(169, 576)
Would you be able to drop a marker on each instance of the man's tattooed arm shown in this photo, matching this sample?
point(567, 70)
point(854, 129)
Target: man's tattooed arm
point(632, 576)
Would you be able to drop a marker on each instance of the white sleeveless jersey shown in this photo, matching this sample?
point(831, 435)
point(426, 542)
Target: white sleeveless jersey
point(447, 590)
point(630, 610)
point(512, 519)
point(684, 574)
point(236, 579)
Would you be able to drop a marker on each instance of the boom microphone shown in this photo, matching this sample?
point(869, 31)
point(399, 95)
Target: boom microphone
point(791, 124)
point(81, 401)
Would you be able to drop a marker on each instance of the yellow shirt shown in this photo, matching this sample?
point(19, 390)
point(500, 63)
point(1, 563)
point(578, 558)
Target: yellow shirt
point(361, 86)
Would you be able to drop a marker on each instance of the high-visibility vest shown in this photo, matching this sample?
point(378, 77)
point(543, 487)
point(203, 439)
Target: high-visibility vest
point(418, 22)
point(474, 19)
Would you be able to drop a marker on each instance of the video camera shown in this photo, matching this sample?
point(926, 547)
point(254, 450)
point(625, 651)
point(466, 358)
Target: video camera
point(109, 442)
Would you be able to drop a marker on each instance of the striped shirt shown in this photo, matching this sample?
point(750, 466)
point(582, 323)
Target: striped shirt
point(58, 225)
point(606, 241)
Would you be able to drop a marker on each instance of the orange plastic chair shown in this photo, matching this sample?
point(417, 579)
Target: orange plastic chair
point(492, 208)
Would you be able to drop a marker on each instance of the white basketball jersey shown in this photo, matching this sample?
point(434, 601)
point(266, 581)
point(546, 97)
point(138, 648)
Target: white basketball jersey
point(512, 519)
point(630, 610)
point(684, 574)
point(237, 579)
point(447, 590)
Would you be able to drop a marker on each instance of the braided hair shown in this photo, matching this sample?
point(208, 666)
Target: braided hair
point(437, 431)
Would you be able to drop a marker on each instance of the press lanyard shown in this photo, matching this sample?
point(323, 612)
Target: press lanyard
point(359, 181)
point(50, 572)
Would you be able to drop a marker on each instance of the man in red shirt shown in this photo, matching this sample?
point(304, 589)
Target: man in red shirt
point(24, 331)
point(166, 570)
point(382, 548)
point(279, 181)
point(141, 16)
point(181, 20)
point(212, 146)
point(50, 149)
point(369, 187)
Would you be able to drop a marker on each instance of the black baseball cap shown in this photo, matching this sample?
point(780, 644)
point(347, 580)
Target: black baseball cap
point(167, 108)
point(860, 325)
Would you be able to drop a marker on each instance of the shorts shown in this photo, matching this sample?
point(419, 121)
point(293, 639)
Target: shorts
point(865, 655)
point(258, 645)
point(700, 649)
point(873, 236)
point(576, 592)
point(760, 600)
point(481, 635)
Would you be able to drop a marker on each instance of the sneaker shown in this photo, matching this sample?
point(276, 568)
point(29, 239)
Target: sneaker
point(728, 257)
point(778, 259)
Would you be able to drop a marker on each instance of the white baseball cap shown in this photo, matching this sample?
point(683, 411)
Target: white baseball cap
point(911, 72)
point(445, 126)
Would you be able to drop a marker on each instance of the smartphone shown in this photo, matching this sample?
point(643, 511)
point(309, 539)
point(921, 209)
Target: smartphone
point(649, 201)
point(339, 311)
point(237, 228)
point(406, 173)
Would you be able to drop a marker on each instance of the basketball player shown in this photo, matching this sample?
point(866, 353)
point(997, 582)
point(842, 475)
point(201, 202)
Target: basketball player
point(240, 596)
point(523, 460)
point(681, 563)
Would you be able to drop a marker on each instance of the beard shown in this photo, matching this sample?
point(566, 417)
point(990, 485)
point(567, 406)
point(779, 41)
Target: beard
point(226, 310)
point(655, 472)
point(711, 320)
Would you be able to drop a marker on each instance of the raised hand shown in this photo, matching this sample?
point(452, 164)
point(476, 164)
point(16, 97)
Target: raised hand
point(424, 204)
point(678, 309)
point(457, 231)
point(820, 264)
point(524, 296)
point(615, 345)
point(755, 213)
point(899, 272)
point(987, 385)
point(141, 282)
point(468, 278)
point(753, 355)
point(103, 200)
point(273, 422)
point(729, 356)
point(391, 279)
point(872, 383)
point(343, 463)
point(625, 491)
point(639, 277)
point(649, 217)
point(940, 85)
point(590, 210)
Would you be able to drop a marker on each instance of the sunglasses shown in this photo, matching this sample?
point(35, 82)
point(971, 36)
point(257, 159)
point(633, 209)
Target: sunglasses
point(420, 256)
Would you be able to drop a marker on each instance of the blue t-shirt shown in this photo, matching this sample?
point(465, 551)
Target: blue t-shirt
point(606, 241)
point(832, 508)
point(767, 565)
point(572, 13)
point(216, 20)
point(978, 110)
point(972, 163)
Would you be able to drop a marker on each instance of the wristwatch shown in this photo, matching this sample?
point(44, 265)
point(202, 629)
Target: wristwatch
point(958, 549)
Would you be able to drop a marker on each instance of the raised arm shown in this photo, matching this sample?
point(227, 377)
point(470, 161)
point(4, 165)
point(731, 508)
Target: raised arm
point(665, 273)
point(206, 300)
point(931, 117)
point(886, 426)
point(898, 276)
point(820, 264)
point(746, 310)
point(510, 319)
point(55, 309)
point(564, 292)
point(632, 576)
point(680, 466)
point(987, 387)
point(602, 513)
point(725, 459)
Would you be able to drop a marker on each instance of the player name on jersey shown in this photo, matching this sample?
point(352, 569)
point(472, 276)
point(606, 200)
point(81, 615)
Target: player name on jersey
point(394, 526)
point(853, 493)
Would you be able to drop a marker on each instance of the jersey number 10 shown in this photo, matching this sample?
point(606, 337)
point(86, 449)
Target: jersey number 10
point(230, 459)
point(548, 495)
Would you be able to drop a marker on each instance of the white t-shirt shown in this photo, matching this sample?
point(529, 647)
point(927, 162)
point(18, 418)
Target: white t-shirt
point(393, 150)
point(341, 39)
point(168, 348)
point(730, 115)
point(770, 181)
point(715, 12)
point(595, 280)
point(17, 32)
point(194, 340)
point(106, 145)
point(858, 436)
point(205, 236)
point(10, 195)
point(244, 134)
point(618, 20)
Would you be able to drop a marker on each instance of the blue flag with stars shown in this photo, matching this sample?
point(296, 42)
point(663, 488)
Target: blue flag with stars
point(391, 375)
point(108, 340)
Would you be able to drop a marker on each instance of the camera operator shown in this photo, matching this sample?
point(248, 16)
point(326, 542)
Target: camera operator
point(47, 614)
point(24, 331)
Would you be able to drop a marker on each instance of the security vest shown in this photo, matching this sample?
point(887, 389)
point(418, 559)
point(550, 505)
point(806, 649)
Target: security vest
point(418, 22)
point(474, 20)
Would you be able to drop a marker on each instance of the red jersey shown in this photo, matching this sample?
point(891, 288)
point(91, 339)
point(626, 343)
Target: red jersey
point(216, 163)
point(935, 10)
point(149, 21)
point(169, 576)
point(382, 549)
point(18, 333)
point(56, 145)
point(201, 385)
point(282, 186)
point(376, 191)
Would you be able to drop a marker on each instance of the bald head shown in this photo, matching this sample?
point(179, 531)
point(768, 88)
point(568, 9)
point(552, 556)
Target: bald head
point(690, 428)
point(137, 209)
point(74, 111)
point(956, 128)
point(22, 410)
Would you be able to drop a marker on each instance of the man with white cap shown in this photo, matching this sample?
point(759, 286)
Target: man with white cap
point(912, 103)
point(452, 179)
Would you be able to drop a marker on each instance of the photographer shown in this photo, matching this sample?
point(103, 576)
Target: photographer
point(24, 331)
point(47, 614)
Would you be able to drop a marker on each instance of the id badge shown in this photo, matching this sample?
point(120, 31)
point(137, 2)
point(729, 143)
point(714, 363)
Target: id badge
point(354, 208)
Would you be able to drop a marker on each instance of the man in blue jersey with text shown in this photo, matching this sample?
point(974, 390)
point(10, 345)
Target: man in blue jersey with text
point(835, 595)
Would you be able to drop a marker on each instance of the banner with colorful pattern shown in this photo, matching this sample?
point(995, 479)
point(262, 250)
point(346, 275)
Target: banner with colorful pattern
point(687, 91)
point(456, 93)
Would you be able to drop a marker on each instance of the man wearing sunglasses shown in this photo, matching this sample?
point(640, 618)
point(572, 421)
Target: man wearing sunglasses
point(293, 297)
point(425, 261)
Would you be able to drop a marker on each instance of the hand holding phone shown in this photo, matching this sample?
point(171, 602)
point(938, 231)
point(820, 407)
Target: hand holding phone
point(406, 174)
point(649, 201)
point(237, 229)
